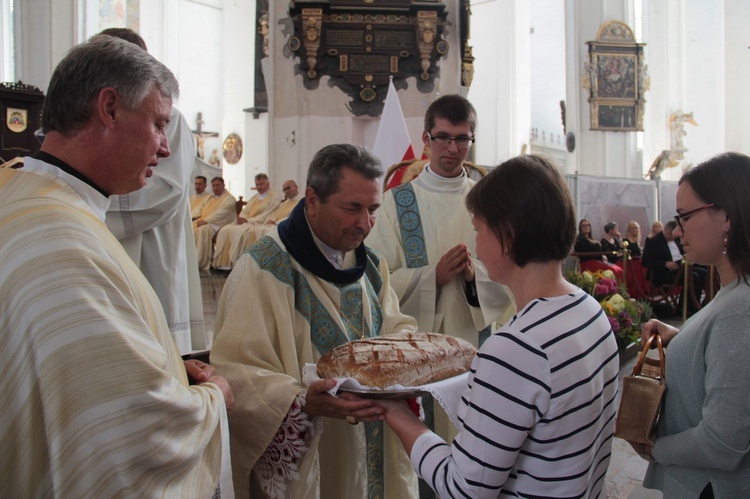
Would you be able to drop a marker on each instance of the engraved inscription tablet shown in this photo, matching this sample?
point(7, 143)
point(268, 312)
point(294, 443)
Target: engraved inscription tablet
point(360, 45)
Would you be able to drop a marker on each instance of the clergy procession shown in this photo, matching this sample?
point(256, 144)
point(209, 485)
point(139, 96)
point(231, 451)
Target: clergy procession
point(124, 380)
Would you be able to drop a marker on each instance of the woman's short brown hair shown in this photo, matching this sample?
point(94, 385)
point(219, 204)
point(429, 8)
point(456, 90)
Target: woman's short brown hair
point(528, 206)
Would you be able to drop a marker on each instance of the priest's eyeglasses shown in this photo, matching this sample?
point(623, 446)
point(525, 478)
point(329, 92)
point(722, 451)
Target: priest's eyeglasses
point(684, 217)
point(462, 142)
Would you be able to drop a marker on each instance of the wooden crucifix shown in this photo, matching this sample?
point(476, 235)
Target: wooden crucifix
point(200, 135)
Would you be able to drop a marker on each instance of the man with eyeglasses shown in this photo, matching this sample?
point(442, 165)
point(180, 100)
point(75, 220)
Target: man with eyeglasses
point(424, 232)
point(662, 255)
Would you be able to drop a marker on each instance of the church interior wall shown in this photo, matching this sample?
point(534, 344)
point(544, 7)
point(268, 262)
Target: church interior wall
point(660, 23)
point(694, 48)
point(736, 74)
point(302, 121)
point(198, 69)
point(600, 153)
point(704, 72)
point(236, 68)
point(547, 58)
point(501, 88)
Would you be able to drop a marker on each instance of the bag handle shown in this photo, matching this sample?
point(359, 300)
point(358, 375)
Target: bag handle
point(642, 357)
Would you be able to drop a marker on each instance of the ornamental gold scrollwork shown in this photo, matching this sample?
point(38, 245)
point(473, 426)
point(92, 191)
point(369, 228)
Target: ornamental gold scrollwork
point(426, 32)
point(312, 21)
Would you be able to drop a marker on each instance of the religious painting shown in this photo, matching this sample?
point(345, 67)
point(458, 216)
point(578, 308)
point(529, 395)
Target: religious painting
point(617, 78)
point(232, 148)
point(610, 116)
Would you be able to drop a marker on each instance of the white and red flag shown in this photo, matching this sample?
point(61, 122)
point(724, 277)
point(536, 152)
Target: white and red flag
point(392, 143)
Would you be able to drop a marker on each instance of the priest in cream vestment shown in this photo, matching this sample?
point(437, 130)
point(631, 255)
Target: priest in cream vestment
point(307, 287)
point(219, 210)
point(254, 212)
point(96, 401)
point(269, 223)
point(201, 196)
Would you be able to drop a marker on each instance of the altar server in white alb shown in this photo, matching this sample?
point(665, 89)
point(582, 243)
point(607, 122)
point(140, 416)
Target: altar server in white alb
point(305, 288)
point(96, 401)
point(425, 235)
point(153, 225)
point(538, 411)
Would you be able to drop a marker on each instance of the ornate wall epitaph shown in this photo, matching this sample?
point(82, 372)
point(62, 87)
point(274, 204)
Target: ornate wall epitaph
point(361, 44)
point(616, 77)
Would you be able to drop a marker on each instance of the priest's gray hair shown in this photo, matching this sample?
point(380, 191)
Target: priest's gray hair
point(103, 61)
point(324, 174)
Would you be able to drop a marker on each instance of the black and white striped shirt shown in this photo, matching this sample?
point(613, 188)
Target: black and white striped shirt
point(538, 414)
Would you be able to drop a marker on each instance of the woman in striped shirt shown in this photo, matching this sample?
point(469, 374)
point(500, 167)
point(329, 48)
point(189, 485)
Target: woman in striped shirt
point(538, 413)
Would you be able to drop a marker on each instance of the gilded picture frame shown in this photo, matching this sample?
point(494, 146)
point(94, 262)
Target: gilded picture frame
point(617, 78)
point(232, 148)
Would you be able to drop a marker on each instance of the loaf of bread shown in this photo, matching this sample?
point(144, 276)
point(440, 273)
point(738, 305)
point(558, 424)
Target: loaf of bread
point(408, 359)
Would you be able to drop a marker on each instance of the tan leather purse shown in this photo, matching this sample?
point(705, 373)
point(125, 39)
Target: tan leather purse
point(641, 398)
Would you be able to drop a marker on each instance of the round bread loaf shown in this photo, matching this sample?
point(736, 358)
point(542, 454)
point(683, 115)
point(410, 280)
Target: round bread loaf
point(408, 359)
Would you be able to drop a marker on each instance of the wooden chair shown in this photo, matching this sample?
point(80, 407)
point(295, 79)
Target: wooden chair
point(660, 294)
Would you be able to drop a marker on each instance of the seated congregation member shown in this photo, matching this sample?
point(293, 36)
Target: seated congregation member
point(702, 447)
point(219, 210)
point(253, 213)
point(96, 401)
point(538, 412)
point(201, 196)
point(292, 197)
point(662, 256)
point(611, 242)
point(656, 228)
point(633, 238)
point(585, 243)
point(305, 288)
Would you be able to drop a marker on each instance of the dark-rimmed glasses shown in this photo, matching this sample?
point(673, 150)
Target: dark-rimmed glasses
point(679, 218)
point(462, 142)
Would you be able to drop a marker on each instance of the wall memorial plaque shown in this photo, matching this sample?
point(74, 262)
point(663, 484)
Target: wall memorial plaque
point(361, 44)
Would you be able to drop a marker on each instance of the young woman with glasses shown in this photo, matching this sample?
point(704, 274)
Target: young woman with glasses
point(703, 443)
